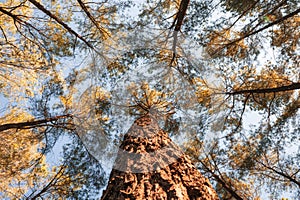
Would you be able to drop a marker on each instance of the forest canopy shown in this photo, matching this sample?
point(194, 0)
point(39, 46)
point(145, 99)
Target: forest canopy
point(222, 76)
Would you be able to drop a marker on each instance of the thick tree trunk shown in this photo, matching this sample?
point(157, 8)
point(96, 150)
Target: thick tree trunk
point(150, 166)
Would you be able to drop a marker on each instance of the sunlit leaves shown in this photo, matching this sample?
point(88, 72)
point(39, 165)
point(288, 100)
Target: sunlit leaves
point(267, 78)
point(59, 42)
point(241, 154)
point(223, 42)
point(203, 92)
point(147, 100)
point(194, 148)
point(287, 35)
point(134, 43)
point(97, 20)
point(241, 32)
point(92, 106)
point(238, 5)
point(21, 162)
point(25, 53)
point(154, 11)
point(244, 190)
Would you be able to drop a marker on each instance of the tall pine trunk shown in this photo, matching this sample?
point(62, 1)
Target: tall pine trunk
point(150, 166)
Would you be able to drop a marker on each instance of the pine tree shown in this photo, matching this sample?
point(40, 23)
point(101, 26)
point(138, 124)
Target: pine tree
point(150, 166)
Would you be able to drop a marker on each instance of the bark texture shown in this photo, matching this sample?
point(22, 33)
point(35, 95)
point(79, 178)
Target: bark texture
point(150, 166)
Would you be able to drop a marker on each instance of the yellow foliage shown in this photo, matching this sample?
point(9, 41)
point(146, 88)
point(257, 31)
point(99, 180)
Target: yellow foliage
point(146, 99)
point(288, 34)
point(204, 92)
point(267, 78)
point(194, 148)
point(221, 40)
point(239, 154)
point(19, 156)
point(23, 166)
point(243, 189)
point(26, 50)
point(165, 55)
point(67, 100)
point(20, 56)
point(91, 108)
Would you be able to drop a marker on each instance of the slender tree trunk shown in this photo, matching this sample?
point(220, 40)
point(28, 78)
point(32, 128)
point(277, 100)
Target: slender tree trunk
point(150, 166)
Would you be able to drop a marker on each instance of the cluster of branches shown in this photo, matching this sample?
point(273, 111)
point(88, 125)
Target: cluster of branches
point(61, 121)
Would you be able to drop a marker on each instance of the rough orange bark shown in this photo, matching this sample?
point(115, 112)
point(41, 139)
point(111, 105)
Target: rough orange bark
point(150, 166)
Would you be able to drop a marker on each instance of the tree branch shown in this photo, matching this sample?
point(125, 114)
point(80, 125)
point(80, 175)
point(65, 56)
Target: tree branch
point(280, 173)
point(85, 9)
point(267, 26)
point(221, 181)
point(31, 124)
point(59, 21)
point(181, 13)
point(49, 184)
point(293, 86)
point(178, 23)
point(261, 29)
